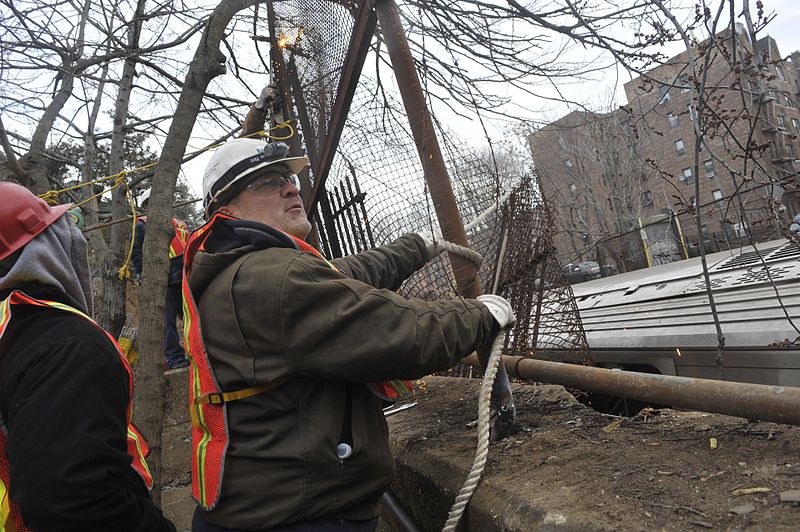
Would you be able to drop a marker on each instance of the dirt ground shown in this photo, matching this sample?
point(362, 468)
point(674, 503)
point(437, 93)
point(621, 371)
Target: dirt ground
point(660, 470)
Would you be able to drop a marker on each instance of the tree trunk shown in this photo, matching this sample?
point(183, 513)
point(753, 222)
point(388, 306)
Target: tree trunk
point(34, 162)
point(208, 63)
point(98, 247)
point(111, 313)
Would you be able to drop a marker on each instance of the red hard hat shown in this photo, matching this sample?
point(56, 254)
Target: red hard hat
point(23, 216)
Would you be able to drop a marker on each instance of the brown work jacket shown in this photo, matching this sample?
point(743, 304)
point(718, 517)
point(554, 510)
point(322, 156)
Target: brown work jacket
point(275, 313)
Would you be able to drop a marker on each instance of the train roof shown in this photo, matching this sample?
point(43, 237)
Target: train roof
point(667, 306)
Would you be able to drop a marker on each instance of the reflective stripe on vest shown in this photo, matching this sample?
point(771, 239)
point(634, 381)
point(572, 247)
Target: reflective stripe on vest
point(10, 516)
point(178, 243)
point(208, 408)
point(136, 446)
point(209, 427)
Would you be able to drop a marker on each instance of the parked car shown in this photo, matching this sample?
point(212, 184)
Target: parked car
point(579, 272)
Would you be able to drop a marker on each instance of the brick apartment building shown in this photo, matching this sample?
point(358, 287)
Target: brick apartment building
point(603, 172)
point(598, 187)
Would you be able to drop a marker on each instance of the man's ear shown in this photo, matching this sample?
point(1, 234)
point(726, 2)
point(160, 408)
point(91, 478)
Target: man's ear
point(228, 210)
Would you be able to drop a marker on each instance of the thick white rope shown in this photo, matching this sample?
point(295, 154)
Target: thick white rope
point(484, 402)
point(482, 452)
point(473, 256)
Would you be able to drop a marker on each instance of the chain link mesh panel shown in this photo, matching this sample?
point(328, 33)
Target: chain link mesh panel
point(376, 191)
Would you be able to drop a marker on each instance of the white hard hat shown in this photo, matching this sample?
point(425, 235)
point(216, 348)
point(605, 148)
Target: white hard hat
point(238, 159)
point(144, 197)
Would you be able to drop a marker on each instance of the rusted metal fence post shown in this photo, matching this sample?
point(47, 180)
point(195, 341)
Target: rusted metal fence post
point(430, 153)
point(444, 201)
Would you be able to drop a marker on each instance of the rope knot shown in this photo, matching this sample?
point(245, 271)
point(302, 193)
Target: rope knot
point(51, 197)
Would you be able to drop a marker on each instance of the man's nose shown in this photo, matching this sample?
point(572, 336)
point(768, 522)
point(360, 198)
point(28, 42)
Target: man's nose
point(289, 189)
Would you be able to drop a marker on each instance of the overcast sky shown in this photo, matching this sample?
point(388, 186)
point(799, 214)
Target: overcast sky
point(596, 94)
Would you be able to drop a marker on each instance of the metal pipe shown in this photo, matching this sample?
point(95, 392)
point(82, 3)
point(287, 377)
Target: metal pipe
point(400, 520)
point(435, 170)
point(780, 404)
point(430, 154)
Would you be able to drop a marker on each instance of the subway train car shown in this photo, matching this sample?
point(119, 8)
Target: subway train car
point(659, 319)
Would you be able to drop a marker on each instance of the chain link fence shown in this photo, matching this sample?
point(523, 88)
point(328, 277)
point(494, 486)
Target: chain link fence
point(376, 191)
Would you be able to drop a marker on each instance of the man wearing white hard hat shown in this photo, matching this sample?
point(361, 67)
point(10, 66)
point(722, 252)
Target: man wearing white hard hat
point(292, 355)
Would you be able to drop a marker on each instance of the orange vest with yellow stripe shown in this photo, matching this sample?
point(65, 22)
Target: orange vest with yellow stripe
point(178, 243)
point(10, 517)
point(208, 406)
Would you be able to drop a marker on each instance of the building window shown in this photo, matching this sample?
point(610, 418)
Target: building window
point(664, 90)
point(673, 120)
point(680, 147)
point(708, 164)
point(740, 229)
point(683, 80)
point(781, 121)
point(717, 194)
point(692, 112)
point(796, 125)
point(688, 176)
point(779, 72)
point(791, 148)
point(748, 88)
point(790, 102)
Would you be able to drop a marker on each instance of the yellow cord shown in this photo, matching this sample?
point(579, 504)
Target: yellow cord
point(125, 270)
point(52, 196)
point(286, 124)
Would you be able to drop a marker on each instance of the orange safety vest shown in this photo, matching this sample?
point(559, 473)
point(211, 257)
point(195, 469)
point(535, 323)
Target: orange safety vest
point(10, 517)
point(178, 243)
point(208, 406)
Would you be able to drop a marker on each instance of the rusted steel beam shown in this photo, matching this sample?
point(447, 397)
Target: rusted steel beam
point(430, 153)
point(444, 201)
point(780, 404)
point(359, 46)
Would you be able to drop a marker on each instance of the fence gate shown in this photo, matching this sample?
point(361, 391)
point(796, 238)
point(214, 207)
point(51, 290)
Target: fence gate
point(345, 227)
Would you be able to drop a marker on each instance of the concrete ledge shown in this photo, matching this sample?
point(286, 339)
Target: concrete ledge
point(571, 468)
point(567, 468)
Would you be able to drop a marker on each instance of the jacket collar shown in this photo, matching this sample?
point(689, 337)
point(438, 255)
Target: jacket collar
point(232, 233)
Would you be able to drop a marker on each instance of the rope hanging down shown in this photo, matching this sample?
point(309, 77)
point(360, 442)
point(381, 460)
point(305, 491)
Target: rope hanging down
point(484, 401)
point(482, 452)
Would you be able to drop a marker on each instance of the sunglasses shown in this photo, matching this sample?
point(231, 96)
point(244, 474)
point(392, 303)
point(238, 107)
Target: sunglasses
point(273, 182)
